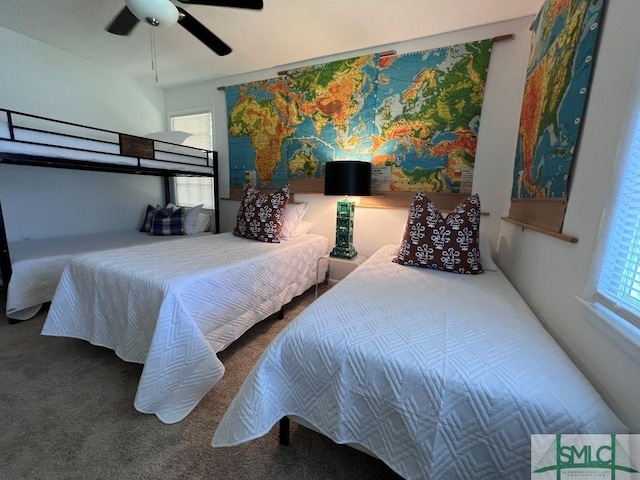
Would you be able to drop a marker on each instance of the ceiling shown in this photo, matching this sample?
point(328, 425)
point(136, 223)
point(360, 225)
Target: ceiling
point(283, 33)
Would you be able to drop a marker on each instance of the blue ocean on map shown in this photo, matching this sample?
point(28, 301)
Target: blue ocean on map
point(396, 79)
point(555, 148)
point(354, 143)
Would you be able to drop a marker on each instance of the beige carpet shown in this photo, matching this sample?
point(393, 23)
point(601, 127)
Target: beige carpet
point(66, 412)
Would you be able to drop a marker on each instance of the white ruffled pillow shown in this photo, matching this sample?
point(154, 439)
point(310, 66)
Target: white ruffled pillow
point(485, 255)
point(293, 217)
point(191, 217)
point(204, 221)
point(302, 228)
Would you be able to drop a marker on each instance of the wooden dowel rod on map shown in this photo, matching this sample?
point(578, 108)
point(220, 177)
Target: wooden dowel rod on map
point(388, 53)
point(382, 54)
point(561, 236)
point(500, 38)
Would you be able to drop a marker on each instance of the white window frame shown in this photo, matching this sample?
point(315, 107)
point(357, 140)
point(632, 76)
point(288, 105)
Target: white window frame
point(598, 310)
point(195, 111)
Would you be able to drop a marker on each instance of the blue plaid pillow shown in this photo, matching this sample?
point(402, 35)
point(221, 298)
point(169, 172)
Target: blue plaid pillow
point(148, 217)
point(168, 222)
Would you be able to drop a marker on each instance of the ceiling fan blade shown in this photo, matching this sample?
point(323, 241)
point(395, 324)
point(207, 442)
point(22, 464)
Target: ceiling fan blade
point(202, 33)
point(123, 23)
point(253, 4)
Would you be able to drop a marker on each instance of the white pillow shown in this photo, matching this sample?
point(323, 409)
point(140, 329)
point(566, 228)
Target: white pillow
point(191, 217)
point(171, 137)
point(486, 261)
point(293, 217)
point(203, 223)
point(302, 228)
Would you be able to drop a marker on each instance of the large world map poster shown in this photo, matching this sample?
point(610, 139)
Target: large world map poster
point(558, 74)
point(415, 117)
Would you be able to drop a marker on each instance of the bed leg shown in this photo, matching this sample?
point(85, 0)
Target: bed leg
point(284, 431)
point(281, 314)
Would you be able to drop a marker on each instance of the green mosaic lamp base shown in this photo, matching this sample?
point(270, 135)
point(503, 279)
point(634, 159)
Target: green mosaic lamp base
point(344, 230)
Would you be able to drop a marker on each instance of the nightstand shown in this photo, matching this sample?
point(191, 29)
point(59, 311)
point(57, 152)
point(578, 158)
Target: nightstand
point(341, 267)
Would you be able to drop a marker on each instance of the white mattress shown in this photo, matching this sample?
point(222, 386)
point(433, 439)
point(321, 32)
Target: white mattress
point(173, 306)
point(439, 375)
point(101, 147)
point(37, 265)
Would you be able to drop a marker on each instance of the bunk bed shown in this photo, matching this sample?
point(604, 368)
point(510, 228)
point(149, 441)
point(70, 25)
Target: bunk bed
point(172, 305)
point(33, 140)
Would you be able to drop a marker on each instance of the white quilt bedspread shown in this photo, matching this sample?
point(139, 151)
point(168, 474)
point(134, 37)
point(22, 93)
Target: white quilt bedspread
point(173, 305)
point(439, 375)
point(37, 264)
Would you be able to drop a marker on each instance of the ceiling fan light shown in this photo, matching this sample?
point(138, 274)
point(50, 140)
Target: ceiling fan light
point(160, 13)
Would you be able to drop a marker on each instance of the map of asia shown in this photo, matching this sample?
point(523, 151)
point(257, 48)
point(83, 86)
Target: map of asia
point(415, 117)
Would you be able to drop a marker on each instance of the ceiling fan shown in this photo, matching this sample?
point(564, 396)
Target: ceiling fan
point(162, 13)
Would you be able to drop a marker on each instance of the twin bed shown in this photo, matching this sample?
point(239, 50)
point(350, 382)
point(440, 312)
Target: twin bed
point(439, 375)
point(35, 140)
point(37, 265)
point(174, 305)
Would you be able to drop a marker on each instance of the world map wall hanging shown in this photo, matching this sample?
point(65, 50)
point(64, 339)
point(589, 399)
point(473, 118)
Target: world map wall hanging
point(288, 127)
point(428, 116)
point(415, 117)
point(561, 59)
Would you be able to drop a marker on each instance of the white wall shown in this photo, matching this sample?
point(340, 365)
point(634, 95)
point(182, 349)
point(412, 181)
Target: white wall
point(549, 273)
point(494, 160)
point(38, 202)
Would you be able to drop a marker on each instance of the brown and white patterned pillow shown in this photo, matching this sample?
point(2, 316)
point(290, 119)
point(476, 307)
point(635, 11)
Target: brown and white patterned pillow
point(450, 244)
point(261, 215)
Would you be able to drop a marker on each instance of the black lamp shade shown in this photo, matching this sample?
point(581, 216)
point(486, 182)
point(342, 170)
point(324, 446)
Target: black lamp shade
point(347, 178)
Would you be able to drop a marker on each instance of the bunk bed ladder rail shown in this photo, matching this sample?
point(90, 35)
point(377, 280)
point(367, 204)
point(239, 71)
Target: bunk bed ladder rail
point(12, 135)
point(5, 259)
point(216, 192)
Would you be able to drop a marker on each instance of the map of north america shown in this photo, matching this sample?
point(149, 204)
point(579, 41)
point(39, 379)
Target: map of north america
point(555, 93)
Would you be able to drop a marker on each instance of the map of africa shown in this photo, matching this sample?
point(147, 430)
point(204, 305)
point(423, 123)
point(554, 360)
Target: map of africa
point(417, 115)
point(558, 74)
point(289, 126)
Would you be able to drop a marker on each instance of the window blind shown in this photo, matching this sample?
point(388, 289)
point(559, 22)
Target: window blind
point(619, 282)
point(192, 191)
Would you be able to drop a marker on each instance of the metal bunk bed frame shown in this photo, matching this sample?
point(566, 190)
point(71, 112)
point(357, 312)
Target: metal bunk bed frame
point(131, 146)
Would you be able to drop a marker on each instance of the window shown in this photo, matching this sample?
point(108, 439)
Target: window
point(192, 191)
point(618, 285)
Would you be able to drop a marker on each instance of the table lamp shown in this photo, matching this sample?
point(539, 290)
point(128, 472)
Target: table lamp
point(346, 177)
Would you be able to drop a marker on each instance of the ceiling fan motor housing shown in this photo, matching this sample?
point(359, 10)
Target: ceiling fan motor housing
point(163, 13)
point(158, 13)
